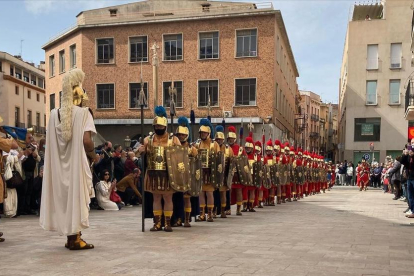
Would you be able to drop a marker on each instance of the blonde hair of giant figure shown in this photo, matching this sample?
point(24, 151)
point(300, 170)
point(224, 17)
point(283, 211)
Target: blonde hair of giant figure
point(73, 78)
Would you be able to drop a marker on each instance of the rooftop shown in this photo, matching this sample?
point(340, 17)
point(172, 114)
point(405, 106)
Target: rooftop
point(17, 60)
point(371, 10)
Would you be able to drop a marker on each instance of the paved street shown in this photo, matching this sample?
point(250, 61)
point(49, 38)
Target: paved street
point(343, 232)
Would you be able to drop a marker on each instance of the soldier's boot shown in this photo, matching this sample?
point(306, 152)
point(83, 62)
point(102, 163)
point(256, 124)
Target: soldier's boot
point(157, 222)
point(272, 200)
point(187, 219)
point(289, 199)
point(202, 216)
point(295, 198)
point(260, 205)
point(210, 214)
point(244, 207)
point(167, 224)
point(178, 223)
point(238, 212)
point(215, 212)
point(251, 207)
point(279, 200)
point(283, 199)
point(76, 243)
point(223, 211)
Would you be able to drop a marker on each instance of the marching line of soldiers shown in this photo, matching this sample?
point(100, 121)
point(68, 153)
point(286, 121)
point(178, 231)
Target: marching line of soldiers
point(205, 177)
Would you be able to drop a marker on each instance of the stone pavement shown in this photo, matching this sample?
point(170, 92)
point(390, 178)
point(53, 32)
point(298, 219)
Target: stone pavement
point(342, 232)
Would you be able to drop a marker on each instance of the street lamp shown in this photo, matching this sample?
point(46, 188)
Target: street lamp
point(127, 142)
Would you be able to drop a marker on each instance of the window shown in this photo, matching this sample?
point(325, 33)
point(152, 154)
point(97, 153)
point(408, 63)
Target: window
point(38, 119)
point(173, 47)
point(246, 43)
point(29, 94)
point(396, 55)
point(26, 77)
point(209, 45)
point(72, 53)
point(372, 57)
point(51, 66)
point(277, 99)
point(134, 90)
point(44, 119)
point(29, 119)
point(138, 47)
point(106, 95)
point(62, 61)
point(178, 99)
point(40, 83)
point(60, 98)
point(33, 80)
point(278, 49)
point(17, 116)
point(394, 92)
point(105, 50)
point(371, 93)
point(1, 67)
point(246, 92)
point(52, 101)
point(16, 90)
point(11, 71)
point(18, 73)
point(208, 92)
point(37, 97)
point(367, 129)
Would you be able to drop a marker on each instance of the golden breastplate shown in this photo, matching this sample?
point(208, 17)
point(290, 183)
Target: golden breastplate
point(270, 162)
point(157, 159)
point(204, 156)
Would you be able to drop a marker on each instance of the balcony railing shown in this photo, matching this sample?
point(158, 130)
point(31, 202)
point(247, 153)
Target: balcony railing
point(314, 117)
point(39, 130)
point(314, 135)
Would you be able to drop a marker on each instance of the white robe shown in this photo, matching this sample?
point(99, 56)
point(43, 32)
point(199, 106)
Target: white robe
point(67, 179)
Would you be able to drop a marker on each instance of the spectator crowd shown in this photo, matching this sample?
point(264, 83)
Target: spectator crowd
point(116, 178)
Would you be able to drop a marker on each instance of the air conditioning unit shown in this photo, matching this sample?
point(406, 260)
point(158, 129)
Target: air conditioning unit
point(228, 114)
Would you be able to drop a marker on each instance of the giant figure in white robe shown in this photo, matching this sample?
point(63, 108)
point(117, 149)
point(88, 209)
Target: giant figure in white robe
point(67, 178)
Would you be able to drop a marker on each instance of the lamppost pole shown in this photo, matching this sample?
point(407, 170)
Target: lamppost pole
point(142, 101)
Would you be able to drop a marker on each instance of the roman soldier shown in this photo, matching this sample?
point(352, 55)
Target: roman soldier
point(183, 134)
point(283, 163)
point(249, 191)
point(236, 186)
point(305, 165)
point(206, 148)
point(269, 162)
point(292, 160)
point(289, 173)
point(299, 173)
point(224, 190)
point(363, 175)
point(156, 178)
point(277, 187)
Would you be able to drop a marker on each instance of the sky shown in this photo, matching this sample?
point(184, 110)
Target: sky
point(316, 31)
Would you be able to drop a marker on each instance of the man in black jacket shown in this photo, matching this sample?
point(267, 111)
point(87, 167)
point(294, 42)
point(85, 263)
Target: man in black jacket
point(408, 161)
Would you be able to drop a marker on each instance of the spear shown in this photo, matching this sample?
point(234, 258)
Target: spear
point(241, 132)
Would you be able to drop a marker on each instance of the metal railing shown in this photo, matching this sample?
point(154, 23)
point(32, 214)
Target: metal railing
point(314, 117)
point(313, 135)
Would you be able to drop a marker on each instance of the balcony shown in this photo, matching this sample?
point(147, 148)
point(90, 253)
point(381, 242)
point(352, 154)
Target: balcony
point(39, 130)
point(21, 125)
point(409, 101)
point(315, 117)
point(314, 135)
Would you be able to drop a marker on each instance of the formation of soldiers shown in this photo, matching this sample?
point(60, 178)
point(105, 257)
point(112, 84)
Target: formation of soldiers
point(215, 172)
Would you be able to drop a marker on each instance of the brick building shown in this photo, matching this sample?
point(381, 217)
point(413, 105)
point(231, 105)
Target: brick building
point(236, 56)
point(310, 105)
